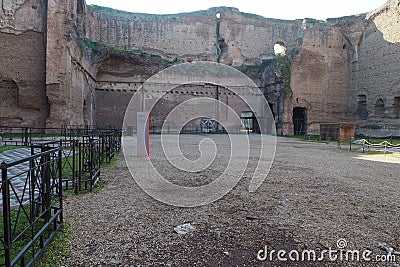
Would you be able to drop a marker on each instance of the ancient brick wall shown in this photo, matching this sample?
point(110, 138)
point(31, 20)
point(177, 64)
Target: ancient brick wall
point(70, 80)
point(320, 77)
point(345, 69)
point(22, 63)
point(192, 36)
point(375, 92)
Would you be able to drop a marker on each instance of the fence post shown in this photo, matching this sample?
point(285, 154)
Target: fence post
point(102, 138)
point(46, 200)
point(350, 143)
point(90, 161)
point(74, 181)
point(60, 185)
point(80, 148)
point(6, 214)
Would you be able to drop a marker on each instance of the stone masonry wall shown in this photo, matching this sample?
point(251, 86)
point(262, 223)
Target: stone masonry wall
point(192, 36)
point(69, 80)
point(320, 77)
point(375, 94)
point(54, 54)
point(22, 63)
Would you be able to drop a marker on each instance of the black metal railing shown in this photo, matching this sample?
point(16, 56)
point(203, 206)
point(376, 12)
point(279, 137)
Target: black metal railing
point(32, 188)
point(32, 211)
point(110, 144)
point(26, 136)
point(88, 168)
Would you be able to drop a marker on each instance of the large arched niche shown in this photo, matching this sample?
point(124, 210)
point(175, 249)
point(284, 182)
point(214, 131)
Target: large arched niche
point(118, 77)
point(9, 93)
point(226, 102)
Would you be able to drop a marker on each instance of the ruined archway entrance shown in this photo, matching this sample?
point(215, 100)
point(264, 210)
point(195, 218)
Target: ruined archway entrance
point(300, 120)
point(9, 94)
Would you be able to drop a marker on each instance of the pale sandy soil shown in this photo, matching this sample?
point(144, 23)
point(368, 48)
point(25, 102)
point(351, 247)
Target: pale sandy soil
point(314, 195)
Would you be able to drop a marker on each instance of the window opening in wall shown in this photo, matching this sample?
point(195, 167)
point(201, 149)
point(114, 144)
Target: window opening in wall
point(280, 49)
point(362, 111)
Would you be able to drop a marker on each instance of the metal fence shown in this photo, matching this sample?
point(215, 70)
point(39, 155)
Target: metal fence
point(26, 136)
point(32, 188)
point(31, 206)
point(363, 145)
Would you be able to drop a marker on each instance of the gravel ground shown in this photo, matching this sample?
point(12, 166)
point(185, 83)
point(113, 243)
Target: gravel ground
point(313, 196)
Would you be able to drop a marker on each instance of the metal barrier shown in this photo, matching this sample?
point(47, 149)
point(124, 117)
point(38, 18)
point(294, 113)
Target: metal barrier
point(110, 143)
point(31, 189)
point(88, 170)
point(80, 162)
point(386, 146)
point(26, 136)
point(31, 205)
point(363, 145)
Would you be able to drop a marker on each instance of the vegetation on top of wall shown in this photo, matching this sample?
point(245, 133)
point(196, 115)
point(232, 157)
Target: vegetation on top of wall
point(284, 63)
point(218, 38)
point(257, 67)
point(283, 70)
point(281, 64)
point(98, 47)
point(110, 10)
point(314, 21)
point(95, 47)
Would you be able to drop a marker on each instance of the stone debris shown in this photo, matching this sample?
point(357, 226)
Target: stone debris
point(388, 249)
point(184, 228)
point(313, 194)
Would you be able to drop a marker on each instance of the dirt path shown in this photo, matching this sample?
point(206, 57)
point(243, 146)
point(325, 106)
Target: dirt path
point(314, 195)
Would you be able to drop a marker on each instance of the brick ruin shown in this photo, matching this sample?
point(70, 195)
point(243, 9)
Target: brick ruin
point(64, 63)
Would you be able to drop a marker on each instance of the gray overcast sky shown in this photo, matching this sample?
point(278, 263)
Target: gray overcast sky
point(281, 9)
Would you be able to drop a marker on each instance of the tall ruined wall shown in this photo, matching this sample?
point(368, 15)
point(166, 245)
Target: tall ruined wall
point(242, 38)
point(45, 79)
point(69, 80)
point(375, 95)
point(320, 76)
point(22, 63)
point(62, 60)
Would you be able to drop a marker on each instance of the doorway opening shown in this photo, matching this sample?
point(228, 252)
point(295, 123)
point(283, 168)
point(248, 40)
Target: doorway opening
point(300, 121)
point(249, 122)
point(379, 108)
point(362, 111)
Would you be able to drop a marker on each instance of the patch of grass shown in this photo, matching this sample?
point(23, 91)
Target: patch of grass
point(58, 249)
point(348, 149)
point(22, 230)
point(100, 185)
point(5, 148)
point(374, 152)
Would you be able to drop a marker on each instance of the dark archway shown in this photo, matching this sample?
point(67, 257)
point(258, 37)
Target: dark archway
point(396, 108)
point(362, 111)
point(380, 108)
point(9, 94)
point(300, 120)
